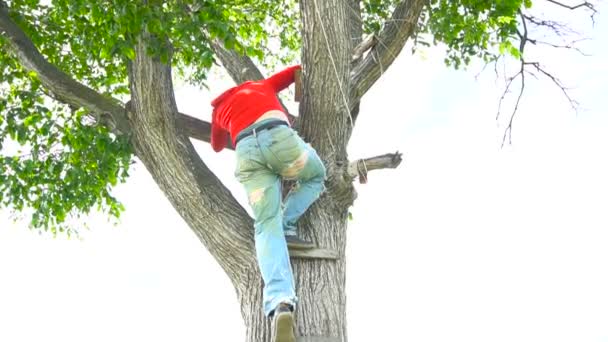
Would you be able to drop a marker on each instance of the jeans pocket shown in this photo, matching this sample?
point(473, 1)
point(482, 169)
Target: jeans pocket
point(286, 146)
point(245, 162)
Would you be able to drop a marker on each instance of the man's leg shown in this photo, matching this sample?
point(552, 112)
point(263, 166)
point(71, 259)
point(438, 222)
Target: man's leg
point(288, 155)
point(310, 184)
point(263, 188)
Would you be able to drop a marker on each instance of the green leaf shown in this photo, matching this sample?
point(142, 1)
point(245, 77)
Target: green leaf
point(505, 20)
point(129, 52)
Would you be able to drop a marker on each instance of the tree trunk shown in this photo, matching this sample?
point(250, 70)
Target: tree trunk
point(320, 284)
point(258, 327)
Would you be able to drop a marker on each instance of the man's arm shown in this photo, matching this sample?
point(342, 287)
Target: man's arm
point(282, 79)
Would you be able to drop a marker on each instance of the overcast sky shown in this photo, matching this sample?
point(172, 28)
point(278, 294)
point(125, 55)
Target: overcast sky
point(464, 242)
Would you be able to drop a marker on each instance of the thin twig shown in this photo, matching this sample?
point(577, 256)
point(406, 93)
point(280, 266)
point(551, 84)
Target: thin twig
point(509, 128)
point(573, 103)
point(585, 4)
point(536, 67)
point(569, 46)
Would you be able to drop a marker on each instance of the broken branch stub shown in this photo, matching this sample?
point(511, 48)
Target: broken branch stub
point(361, 167)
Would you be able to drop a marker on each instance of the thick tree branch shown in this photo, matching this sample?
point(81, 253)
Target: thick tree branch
point(369, 42)
point(361, 167)
point(63, 87)
point(197, 128)
point(206, 205)
point(240, 67)
point(391, 40)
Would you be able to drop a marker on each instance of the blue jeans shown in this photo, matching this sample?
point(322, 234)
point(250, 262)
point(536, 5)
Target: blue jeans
point(263, 160)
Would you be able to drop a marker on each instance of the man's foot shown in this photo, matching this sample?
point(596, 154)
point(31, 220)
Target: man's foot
point(295, 242)
point(283, 324)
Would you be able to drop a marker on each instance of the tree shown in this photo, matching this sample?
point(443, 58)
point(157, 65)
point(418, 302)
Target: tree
point(87, 86)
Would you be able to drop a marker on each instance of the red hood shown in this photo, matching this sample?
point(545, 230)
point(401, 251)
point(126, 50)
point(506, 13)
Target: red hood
point(218, 100)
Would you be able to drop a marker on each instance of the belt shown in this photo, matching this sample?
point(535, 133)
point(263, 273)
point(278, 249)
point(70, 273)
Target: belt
point(267, 125)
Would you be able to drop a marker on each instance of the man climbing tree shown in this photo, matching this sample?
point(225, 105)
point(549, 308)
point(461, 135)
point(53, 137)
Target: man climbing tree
point(268, 150)
point(86, 86)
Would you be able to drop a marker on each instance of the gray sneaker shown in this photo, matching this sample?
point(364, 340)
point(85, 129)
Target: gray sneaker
point(283, 324)
point(295, 242)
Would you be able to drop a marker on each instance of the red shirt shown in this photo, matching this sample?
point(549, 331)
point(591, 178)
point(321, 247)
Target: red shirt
point(240, 106)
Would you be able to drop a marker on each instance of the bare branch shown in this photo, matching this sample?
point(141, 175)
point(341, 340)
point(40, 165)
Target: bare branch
point(63, 87)
point(524, 35)
point(397, 30)
point(567, 46)
point(585, 4)
point(536, 65)
point(197, 129)
point(509, 127)
point(361, 167)
point(558, 28)
point(522, 45)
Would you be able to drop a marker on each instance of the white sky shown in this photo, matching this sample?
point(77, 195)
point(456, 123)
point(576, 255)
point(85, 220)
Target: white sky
point(464, 242)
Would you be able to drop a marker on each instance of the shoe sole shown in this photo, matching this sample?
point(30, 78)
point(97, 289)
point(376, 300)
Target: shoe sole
point(284, 328)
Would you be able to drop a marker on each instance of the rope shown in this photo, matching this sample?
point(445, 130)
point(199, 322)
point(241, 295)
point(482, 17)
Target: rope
point(333, 62)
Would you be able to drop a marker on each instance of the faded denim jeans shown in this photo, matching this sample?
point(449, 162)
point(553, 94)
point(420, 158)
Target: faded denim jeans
point(263, 160)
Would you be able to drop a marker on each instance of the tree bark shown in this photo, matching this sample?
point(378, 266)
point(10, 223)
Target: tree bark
point(326, 124)
point(199, 197)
